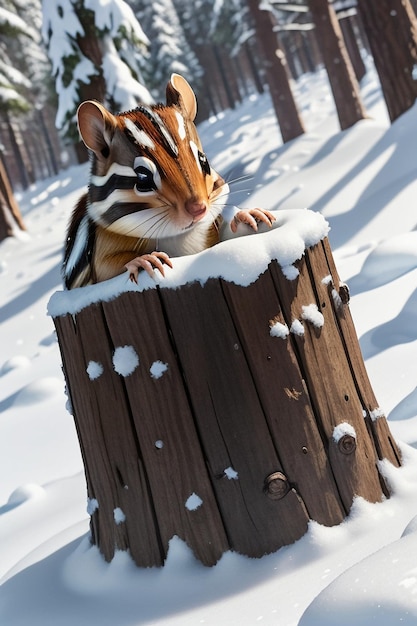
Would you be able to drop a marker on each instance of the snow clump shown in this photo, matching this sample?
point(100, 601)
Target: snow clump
point(193, 502)
point(279, 330)
point(119, 516)
point(125, 360)
point(343, 429)
point(94, 370)
point(297, 328)
point(158, 369)
point(231, 473)
point(376, 414)
point(312, 314)
point(92, 505)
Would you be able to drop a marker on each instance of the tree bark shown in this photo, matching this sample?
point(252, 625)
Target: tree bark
point(95, 89)
point(17, 153)
point(218, 100)
point(352, 46)
point(222, 70)
point(391, 28)
point(288, 117)
point(254, 68)
point(54, 164)
point(343, 83)
point(9, 209)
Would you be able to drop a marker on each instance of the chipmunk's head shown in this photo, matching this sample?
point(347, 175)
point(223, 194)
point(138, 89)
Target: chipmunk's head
point(150, 177)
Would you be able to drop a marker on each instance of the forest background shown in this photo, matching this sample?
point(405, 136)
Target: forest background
point(54, 55)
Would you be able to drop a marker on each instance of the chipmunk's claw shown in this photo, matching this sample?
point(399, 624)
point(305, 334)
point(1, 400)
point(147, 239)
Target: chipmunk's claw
point(148, 262)
point(252, 217)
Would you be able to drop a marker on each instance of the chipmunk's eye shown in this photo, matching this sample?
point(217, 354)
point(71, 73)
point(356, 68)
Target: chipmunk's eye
point(205, 166)
point(201, 158)
point(148, 179)
point(145, 179)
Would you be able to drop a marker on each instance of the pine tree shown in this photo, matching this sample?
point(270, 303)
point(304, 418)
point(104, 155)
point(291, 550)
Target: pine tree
point(228, 28)
point(96, 49)
point(14, 90)
point(14, 84)
point(169, 50)
point(215, 30)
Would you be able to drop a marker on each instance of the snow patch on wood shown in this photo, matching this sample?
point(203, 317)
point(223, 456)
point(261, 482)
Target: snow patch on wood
point(92, 506)
point(119, 516)
point(231, 473)
point(193, 502)
point(343, 429)
point(158, 369)
point(310, 313)
point(125, 360)
point(376, 414)
point(279, 330)
point(297, 328)
point(94, 370)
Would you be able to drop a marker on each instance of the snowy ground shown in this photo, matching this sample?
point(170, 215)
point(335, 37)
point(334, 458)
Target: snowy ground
point(364, 181)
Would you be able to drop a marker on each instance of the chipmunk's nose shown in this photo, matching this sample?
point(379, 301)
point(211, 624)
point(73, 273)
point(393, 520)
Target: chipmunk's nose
point(196, 209)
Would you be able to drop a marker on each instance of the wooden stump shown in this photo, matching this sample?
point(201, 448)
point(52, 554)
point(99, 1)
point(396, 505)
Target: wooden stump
point(226, 415)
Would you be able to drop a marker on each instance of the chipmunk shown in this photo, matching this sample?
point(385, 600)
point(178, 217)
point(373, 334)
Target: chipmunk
point(152, 193)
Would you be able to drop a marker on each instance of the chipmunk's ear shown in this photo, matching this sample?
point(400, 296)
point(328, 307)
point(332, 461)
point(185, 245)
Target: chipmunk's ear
point(179, 93)
point(95, 124)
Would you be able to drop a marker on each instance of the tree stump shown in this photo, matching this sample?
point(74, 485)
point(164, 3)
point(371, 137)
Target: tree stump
point(226, 414)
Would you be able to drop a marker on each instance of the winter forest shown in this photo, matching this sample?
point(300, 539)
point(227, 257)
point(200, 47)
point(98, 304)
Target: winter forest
point(54, 55)
point(308, 109)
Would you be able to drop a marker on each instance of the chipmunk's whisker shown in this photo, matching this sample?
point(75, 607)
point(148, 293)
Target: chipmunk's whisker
point(239, 179)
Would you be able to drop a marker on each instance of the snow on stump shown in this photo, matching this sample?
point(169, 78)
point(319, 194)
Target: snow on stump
point(227, 403)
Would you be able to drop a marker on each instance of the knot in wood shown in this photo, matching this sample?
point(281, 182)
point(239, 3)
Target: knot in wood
point(344, 293)
point(276, 486)
point(347, 444)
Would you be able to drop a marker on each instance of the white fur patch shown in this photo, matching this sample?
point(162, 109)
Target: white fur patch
point(115, 168)
point(195, 151)
point(145, 223)
point(97, 209)
point(139, 135)
point(80, 243)
point(181, 125)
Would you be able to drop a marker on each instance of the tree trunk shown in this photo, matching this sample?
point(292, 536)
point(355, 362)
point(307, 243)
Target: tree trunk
point(222, 70)
point(352, 46)
point(288, 117)
point(240, 75)
point(219, 98)
point(48, 141)
point(254, 66)
point(95, 89)
point(9, 209)
point(21, 166)
point(237, 435)
point(339, 68)
point(391, 28)
point(232, 73)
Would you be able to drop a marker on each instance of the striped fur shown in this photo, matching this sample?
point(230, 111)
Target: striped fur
point(151, 188)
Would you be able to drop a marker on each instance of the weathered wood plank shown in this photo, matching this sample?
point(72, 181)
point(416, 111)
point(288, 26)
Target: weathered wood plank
point(378, 426)
point(102, 416)
point(165, 430)
point(284, 397)
point(232, 427)
point(328, 377)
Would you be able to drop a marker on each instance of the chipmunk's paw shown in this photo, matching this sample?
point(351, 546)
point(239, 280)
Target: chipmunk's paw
point(252, 217)
point(148, 262)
